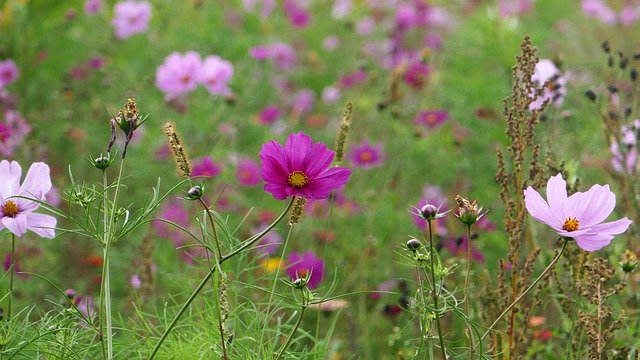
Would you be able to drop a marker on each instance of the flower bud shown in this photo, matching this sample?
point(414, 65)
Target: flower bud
point(429, 212)
point(413, 245)
point(629, 261)
point(195, 192)
point(468, 211)
point(299, 283)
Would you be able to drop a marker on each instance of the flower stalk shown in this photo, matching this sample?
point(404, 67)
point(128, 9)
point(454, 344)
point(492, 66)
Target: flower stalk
point(434, 292)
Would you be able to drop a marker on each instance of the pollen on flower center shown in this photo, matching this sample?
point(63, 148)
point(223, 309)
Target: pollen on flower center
point(9, 208)
point(366, 156)
point(571, 224)
point(298, 179)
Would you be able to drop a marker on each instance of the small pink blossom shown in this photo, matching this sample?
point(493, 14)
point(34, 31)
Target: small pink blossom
point(366, 26)
point(13, 130)
point(433, 195)
point(457, 246)
point(417, 74)
point(8, 72)
point(131, 17)
point(300, 168)
point(331, 94)
point(354, 78)
point(302, 265)
point(431, 118)
point(302, 102)
point(298, 16)
point(92, 7)
point(579, 216)
point(331, 43)
point(556, 90)
point(179, 74)
point(366, 156)
point(281, 55)
point(205, 167)
point(215, 74)
point(629, 139)
point(248, 173)
point(269, 115)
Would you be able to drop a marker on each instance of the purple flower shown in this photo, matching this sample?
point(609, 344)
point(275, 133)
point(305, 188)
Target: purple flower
point(248, 173)
point(431, 118)
point(174, 212)
point(13, 130)
point(353, 79)
point(366, 156)
point(300, 168)
point(300, 265)
point(270, 243)
point(135, 281)
point(599, 10)
point(302, 102)
point(457, 246)
point(178, 74)
point(417, 74)
point(629, 139)
point(205, 167)
point(282, 55)
point(366, 26)
point(92, 7)
point(514, 7)
point(579, 216)
point(17, 213)
point(331, 43)
point(298, 16)
point(130, 18)
point(8, 73)
point(269, 115)
point(267, 6)
point(556, 90)
point(215, 74)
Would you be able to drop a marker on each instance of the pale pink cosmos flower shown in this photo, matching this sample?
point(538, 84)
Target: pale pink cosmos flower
point(579, 216)
point(629, 141)
point(13, 130)
point(330, 94)
point(215, 74)
point(8, 72)
point(556, 89)
point(179, 74)
point(16, 212)
point(92, 7)
point(598, 9)
point(302, 102)
point(131, 17)
point(282, 55)
point(331, 43)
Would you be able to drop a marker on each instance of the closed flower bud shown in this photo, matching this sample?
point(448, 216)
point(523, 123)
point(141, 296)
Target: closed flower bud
point(429, 212)
point(299, 283)
point(195, 192)
point(468, 212)
point(629, 261)
point(414, 245)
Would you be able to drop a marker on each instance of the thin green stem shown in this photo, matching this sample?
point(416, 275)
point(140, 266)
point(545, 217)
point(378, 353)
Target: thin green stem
point(533, 284)
point(12, 271)
point(195, 293)
point(466, 287)
point(295, 328)
point(435, 294)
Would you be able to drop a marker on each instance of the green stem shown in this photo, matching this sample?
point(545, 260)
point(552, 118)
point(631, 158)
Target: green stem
point(466, 287)
point(435, 294)
point(12, 267)
point(195, 293)
point(295, 328)
point(535, 282)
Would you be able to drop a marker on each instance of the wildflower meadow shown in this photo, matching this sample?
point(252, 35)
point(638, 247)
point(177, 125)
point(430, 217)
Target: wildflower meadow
point(319, 179)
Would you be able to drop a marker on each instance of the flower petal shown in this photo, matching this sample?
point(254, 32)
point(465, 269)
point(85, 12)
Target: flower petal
point(41, 224)
point(612, 228)
point(37, 182)
point(297, 147)
point(10, 173)
point(593, 242)
point(17, 225)
point(278, 191)
point(539, 209)
point(318, 159)
point(321, 186)
point(557, 195)
point(600, 204)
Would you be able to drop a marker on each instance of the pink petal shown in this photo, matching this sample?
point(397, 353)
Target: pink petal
point(332, 179)
point(593, 242)
point(539, 209)
point(278, 191)
point(600, 204)
point(17, 225)
point(41, 224)
point(557, 195)
point(276, 153)
point(297, 147)
point(10, 173)
point(37, 182)
point(318, 159)
point(612, 228)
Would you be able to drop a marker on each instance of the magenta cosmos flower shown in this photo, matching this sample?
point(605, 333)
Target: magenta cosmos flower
point(8, 72)
point(301, 265)
point(366, 156)
point(248, 172)
point(300, 168)
point(579, 216)
point(205, 166)
point(130, 18)
point(431, 118)
point(179, 74)
point(17, 213)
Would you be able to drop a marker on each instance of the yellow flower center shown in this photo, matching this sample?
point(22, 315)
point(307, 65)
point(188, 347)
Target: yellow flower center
point(10, 208)
point(571, 224)
point(298, 179)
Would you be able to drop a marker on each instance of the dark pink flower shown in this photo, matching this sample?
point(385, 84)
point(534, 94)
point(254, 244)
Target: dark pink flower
point(301, 265)
point(457, 246)
point(431, 118)
point(8, 72)
point(579, 216)
point(17, 213)
point(215, 74)
point(417, 74)
point(248, 173)
point(269, 115)
point(352, 79)
point(300, 168)
point(174, 212)
point(366, 156)
point(130, 18)
point(297, 15)
point(205, 166)
point(96, 62)
point(179, 74)
point(92, 7)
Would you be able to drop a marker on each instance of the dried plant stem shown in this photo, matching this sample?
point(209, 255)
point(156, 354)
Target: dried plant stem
point(435, 294)
point(533, 284)
point(224, 258)
point(12, 271)
point(303, 307)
